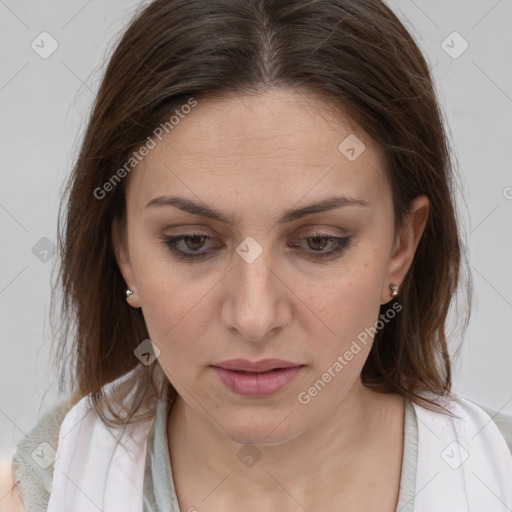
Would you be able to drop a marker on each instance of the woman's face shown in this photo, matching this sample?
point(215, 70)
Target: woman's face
point(291, 253)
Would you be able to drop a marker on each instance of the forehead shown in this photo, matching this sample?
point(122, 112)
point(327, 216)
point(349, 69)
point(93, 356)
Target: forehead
point(278, 143)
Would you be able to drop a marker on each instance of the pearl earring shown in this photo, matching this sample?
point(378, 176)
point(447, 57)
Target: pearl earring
point(128, 293)
point(394, 290)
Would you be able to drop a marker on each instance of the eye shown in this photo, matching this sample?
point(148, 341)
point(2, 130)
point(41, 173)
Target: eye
point(188, 246)
point(319, 241)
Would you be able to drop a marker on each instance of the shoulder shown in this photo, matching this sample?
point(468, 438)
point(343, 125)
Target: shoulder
point(459, 447)
point(482, 421)
point(502, 421)
point(105, 457)
point(51, 444)
point(33, 460)
point(470, 420)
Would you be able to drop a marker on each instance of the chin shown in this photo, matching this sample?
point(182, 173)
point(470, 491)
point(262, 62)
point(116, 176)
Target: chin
point(258, 429)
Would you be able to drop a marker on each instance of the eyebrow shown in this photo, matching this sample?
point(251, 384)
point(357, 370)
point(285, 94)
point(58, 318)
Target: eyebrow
point(290, 215)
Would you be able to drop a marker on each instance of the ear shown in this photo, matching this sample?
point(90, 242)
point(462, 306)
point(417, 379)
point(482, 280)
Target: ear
point(406, 242)
point(123, 260)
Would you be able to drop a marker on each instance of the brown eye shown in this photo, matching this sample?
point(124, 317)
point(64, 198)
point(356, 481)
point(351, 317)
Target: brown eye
point(187, 247)
point(319, 241)
point(194, 242)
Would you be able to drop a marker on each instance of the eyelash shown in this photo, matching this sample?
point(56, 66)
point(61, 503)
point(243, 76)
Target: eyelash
point(171, 242)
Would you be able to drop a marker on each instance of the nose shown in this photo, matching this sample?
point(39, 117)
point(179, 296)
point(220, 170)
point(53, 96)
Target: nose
point(257, 301)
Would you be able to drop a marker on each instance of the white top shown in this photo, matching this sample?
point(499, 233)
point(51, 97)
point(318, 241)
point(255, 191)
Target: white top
point(463, 462)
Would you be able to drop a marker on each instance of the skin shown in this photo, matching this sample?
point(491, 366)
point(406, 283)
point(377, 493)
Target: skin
point(252, 157)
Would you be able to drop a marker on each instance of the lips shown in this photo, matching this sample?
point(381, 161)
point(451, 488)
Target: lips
point(264, 365)
point(256, 379)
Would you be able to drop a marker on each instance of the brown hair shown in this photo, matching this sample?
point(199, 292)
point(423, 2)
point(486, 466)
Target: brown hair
point(363, 62)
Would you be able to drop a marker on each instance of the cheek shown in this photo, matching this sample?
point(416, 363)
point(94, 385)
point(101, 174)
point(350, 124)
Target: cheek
point(349, 307)
point(174, 310)
point(178, 310)
point(165, 295)
point(176, 324)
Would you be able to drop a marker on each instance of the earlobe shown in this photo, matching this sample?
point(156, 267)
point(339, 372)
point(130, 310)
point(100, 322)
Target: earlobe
point(124, 263)
point(406, 243)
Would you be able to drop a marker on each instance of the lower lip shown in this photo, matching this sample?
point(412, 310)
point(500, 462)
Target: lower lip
point(257, 384)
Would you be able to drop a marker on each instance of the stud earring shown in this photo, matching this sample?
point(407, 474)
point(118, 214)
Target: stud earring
point(128, 293)
point(394, 290)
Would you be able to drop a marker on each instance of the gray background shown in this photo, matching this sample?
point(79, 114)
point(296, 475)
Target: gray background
point(44, 104)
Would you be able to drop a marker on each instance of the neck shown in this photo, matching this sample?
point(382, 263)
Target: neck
point(338, 445)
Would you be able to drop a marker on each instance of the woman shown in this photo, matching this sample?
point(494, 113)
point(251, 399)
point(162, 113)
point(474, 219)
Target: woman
point(260, 250)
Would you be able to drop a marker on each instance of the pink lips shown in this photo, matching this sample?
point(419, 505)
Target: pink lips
point(258, 379)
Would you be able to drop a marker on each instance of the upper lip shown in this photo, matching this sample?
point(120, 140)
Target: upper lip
point(264, 365)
